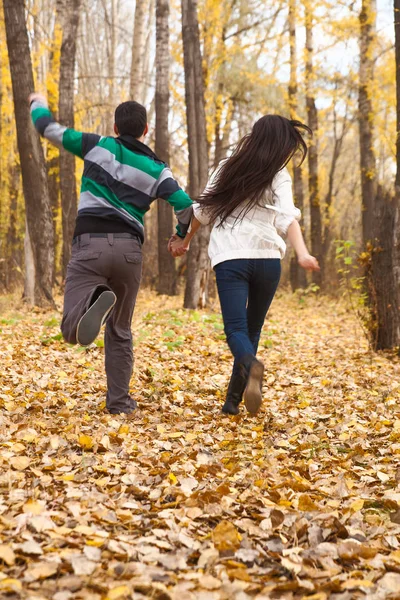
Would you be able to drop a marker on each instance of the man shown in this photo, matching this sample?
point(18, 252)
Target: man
point(121, 178)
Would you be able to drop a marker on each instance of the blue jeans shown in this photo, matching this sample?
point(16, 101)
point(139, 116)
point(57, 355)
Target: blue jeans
point(246, 288)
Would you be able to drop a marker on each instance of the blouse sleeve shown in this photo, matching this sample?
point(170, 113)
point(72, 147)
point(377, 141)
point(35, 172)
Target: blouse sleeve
point(199, 212)
point(283, 195)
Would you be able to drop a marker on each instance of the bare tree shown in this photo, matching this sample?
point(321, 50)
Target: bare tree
point(198, 264)
point(69, 16)
point(366, 125)
point(38, 208)
point(312, 116)
point(138, 50)
point(380, 208)
point(396, 230)
point(298, 277)
point(166, 263)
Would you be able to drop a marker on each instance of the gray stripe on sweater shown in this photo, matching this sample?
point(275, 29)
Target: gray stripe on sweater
point(89, 200)
point(131, 176)
point(54, 132)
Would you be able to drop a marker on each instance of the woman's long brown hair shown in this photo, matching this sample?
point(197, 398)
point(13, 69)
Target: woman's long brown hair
point(242, 180)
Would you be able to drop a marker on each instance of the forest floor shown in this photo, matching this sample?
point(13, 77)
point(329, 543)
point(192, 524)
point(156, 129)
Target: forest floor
point(183, 503)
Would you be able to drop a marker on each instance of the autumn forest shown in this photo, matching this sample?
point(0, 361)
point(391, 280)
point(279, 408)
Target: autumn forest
point(299, 499)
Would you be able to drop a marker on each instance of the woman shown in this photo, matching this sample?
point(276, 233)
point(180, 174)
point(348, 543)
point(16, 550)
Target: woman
point(249, 201)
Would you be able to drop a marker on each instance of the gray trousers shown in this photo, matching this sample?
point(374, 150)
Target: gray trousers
point(116, 263)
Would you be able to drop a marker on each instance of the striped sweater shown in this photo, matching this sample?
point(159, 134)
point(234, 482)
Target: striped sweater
point(121, 178)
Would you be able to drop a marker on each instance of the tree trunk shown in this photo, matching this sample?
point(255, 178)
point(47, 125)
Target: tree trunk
point(298, 278)
point(138, 50)
point(148, 68)
point(366, 125)
point(166, 263)
point(30, 275)
point(12, 266)
point(313, 182)
point(396, 231)
point(198, 264)
point(38, 209)
point(385, 326)
point(69, 10)
point(380, 208)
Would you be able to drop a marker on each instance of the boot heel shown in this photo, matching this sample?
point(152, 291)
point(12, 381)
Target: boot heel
point(252, 394)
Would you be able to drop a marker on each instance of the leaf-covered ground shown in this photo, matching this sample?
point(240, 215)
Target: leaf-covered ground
point(302, 501)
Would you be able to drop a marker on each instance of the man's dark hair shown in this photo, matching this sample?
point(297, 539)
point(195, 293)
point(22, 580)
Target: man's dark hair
point(131, 118)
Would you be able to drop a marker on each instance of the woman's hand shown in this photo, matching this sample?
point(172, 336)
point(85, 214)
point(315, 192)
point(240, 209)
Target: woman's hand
point(308, 262)
point(177, 246)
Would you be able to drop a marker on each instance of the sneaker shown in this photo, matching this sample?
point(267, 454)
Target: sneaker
point(90, 324)
point(252, 394)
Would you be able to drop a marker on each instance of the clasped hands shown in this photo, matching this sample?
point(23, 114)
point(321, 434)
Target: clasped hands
point(177, 246)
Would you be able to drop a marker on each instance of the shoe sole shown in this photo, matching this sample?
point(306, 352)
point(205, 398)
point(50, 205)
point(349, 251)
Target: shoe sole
point(252, 394)
point(91, 323)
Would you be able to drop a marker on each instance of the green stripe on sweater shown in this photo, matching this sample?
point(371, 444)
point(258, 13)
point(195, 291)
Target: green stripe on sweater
point(144, 163)
point(88, 185)
point(72, 141)
point(38, 113)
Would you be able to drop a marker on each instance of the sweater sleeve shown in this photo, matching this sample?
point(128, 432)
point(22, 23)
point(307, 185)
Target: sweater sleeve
point(76, 142)
point(169, 189)
point(283, 195)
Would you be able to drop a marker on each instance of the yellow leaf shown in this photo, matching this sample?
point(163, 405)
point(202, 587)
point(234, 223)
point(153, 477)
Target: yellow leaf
point(357, 505)
point(20, 463)
point(7, 554)
point(393, 557)
point(173, 478)
point(306, 503)
point(85, 441)
point(226, 537)
point(352, 584)
point(33, 507)
point(10, 585)
point(118, 592)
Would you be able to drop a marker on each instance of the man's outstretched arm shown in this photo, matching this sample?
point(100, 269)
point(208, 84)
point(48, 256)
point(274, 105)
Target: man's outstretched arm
point(76, 142)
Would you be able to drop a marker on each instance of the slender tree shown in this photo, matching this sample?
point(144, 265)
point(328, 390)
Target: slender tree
point(396, 231)
point(166, 263)
point(198, 264)
point(298, 277)
point(312, 117)
point(38, 208)
point(138, 50)
point(69, 11)
point(366, 117)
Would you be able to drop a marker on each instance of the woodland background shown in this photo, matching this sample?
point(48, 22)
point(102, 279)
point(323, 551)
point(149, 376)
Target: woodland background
point(206, 70)
point(301, 502)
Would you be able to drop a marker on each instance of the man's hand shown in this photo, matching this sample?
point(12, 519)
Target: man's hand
point(177, 246)
point(309, 262)
point(38, 97)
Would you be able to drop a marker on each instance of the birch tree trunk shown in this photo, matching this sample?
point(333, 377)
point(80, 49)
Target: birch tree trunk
point(298, 277)
point(166, 263)
point(312, 117)
point(69, 11)
point(138, 50)
point(198, 263)
point(38, 208)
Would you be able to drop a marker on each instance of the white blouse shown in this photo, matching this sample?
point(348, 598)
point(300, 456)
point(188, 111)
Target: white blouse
point(257, 235)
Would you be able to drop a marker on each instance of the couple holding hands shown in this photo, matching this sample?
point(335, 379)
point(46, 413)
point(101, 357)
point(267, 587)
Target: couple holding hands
point(248, 201)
